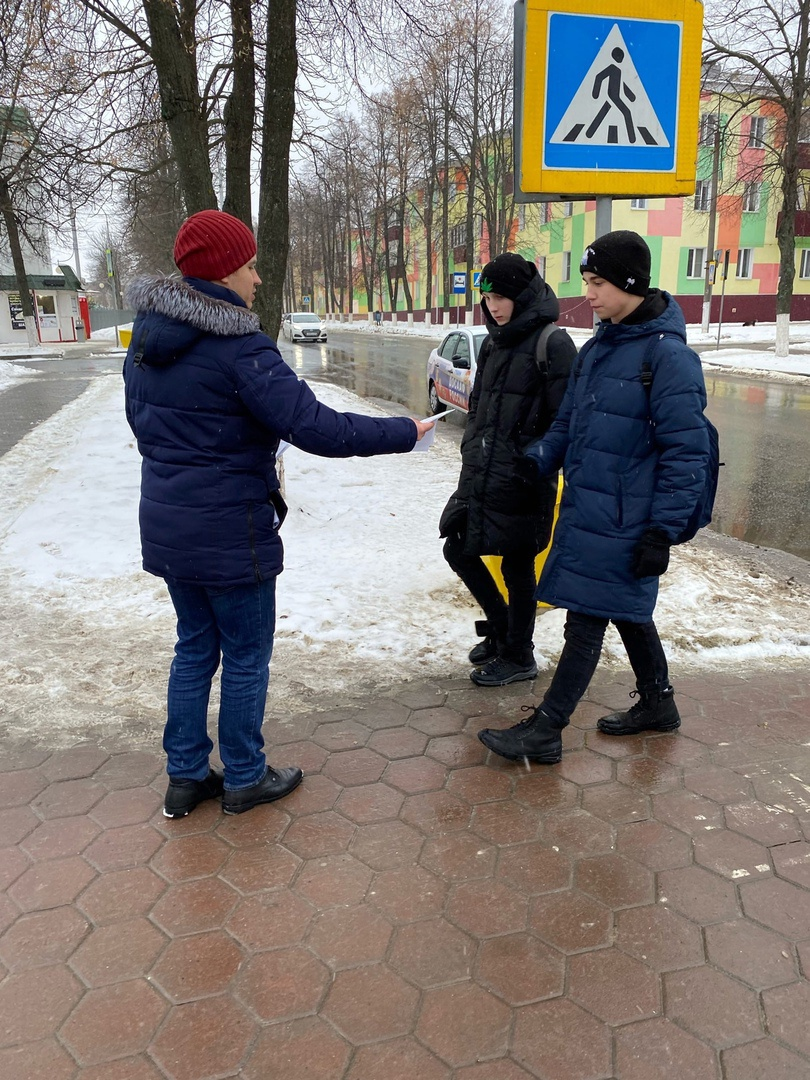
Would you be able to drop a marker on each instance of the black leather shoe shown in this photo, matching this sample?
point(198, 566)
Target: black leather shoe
point(501, 672)
point(533, 739)
point(183, 795)
point(275, 784)
point(654, 711)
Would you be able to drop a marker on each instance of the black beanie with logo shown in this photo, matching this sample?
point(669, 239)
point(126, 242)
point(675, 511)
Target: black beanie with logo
point(507, 275)
point(622, 258)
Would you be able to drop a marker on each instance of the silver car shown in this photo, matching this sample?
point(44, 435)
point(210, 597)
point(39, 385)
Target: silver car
point(451, 368)
point(303, 326)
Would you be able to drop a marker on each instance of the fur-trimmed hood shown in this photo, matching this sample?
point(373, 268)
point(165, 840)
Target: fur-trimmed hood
point(174, 313)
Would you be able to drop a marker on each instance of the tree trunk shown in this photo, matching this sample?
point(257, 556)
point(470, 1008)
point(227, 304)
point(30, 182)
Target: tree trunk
point(13, 233)
point(239, 115)
point(176, 69)
point(274, 209)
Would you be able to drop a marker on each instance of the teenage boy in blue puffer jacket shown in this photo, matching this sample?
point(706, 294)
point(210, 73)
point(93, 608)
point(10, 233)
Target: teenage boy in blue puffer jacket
point(208, 397)
point(635, 459)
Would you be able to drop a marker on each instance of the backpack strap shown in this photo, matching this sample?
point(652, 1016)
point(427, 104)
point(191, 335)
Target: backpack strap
point(586, 348)
point(646, 363)
point(541, 347)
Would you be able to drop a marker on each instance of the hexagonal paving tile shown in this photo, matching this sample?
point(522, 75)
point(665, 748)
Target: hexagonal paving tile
point(792, 862)
point(198, 966)
point(786, 1012)
point(345, 937)
point(614, 880)
point(129, 845)
point(251, 870)
point(458, 856)
point(754, 955)
point(68, 797)
point(194, 906)
point(114, 1022)
point(123, 950)
point(353, 767)
point(699, 894)
point(520, 969)
point(571, 921)
point(557, 1038)
point(534, 868)
point(270, 920)
point(190, 857)
point(764, 1058)
point(41, 938)
point(384, 845)
point(204, 1038)
point(122, 894)
point(415, 775)
point(616, 803)
point(613, 986)
point(647, 1050)
point(60, 838)
point(778, 904)
point(654, 845)
point(715, 1008)
point(371, 802)
point(463, 1023)
point(577, 833)
point(319, 834)
point(34, 1003)
point(408, 894)
point(659, 936)
point(281, 1049)
point(370, 1003)
point(487, 907)
point(333, 880)
point(74, 764)
point(126, 806)
point(32, 1061)
point(506, 822)
point(51, 884)
point(432, 953)
point(282, 984)
point(404, 1059)
point(19, 788)
point(436, 812)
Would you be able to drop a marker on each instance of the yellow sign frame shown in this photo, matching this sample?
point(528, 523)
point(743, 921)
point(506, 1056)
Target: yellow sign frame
point(535, 178)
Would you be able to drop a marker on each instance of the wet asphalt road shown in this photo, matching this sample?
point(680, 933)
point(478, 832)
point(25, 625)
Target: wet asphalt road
point(764, 425)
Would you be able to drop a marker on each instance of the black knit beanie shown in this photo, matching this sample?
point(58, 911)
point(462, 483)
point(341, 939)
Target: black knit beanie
point(507, 275)
point(622, 258)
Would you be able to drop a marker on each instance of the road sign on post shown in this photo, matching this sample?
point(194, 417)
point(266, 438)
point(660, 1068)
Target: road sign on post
point(459, 282)
point(476, 279)
point(607, 104)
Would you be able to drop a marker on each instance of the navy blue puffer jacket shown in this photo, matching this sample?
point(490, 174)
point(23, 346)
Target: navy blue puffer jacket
point(208, 397)
point(632, 461)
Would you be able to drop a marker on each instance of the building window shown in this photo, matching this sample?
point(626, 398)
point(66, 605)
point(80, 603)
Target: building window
point(638, 204)
point(703, 195)
point(744, 262)
point(804, 266)
point(548, 212)
point(751, 197)
point(540, 262)
point(756, 133)
point(709, 123)
point(458, 235)
point(566, 266)
point(521, 215)
point(696, 263)
point(567, 209)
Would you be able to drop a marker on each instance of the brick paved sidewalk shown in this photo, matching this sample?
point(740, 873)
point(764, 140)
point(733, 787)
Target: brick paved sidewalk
point(418, 911)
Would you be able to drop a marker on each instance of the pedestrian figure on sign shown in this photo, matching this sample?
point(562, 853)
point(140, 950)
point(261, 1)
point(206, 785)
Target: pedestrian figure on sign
point(615, 85)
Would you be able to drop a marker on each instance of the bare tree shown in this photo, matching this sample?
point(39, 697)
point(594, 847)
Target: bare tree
point(763, 47)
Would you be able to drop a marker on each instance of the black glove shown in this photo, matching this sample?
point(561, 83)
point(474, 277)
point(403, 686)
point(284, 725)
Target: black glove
point(651, 554)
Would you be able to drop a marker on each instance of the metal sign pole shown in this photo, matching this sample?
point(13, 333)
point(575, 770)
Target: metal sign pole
point(722, 296)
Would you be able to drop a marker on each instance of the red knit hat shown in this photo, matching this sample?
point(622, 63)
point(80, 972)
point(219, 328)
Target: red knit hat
point(212, 244)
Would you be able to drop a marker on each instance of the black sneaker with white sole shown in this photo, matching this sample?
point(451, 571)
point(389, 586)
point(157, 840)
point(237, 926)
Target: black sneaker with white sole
point(182, 796)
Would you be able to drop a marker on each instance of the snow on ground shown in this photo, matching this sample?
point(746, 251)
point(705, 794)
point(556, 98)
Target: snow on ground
point(366, 598)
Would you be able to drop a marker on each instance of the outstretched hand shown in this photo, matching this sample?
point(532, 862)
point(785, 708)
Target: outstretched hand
point(422, 427)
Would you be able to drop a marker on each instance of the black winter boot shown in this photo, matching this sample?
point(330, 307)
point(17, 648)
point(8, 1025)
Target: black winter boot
point(654, 711)
point(487, 650)
point(533, 739)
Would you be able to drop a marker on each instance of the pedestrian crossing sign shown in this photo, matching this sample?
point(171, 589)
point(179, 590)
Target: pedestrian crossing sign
point(610, 101)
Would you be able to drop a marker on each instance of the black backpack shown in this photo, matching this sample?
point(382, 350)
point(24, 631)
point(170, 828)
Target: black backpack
point(702, 513)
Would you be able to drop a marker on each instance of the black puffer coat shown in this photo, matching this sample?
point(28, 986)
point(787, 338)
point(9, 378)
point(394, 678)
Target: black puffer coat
point(500, 500)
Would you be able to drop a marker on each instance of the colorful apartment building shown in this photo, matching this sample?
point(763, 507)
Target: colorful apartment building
point(745, 208)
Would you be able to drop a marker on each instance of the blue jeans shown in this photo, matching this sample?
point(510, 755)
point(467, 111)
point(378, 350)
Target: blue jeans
point(583, 647)
point(237, 624)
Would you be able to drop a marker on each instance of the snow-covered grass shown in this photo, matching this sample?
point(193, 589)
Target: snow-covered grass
point(365, 599)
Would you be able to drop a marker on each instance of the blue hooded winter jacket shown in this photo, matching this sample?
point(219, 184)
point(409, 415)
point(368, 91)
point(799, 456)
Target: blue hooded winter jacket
point(632, 460)
point(208, 397)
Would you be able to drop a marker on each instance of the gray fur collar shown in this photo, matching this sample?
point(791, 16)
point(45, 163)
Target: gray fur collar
point(172, 297)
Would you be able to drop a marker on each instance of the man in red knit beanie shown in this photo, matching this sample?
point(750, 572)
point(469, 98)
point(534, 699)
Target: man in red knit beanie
point(208, 397)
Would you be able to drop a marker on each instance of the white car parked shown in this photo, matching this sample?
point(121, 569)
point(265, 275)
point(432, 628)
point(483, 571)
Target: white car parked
point(451, 368)
point(303, 326)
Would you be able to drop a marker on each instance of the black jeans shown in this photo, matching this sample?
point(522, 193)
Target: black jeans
point(513, 624)
point(584, 635)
